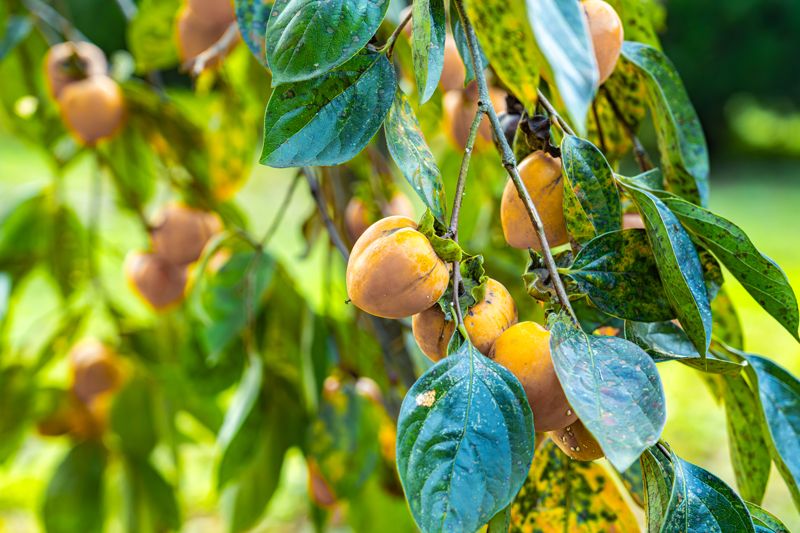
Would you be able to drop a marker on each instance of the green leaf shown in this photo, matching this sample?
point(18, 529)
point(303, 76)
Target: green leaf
point(618, 272)
point(329, 119)
point(17, 28)
point(473, 286)
point(25, 236)
point(658, 476)
point(151, 35)
point(591, 200)
point(501, 522)
point(666, 341)
point(684, 155)
point(447, 249)
point(763, 279)
point(465, 424)
point(779, 393)
point(562, 494)
point(69, 250)
point(463, 49)
point(640, 19)
point(633, 480)
point(224, 300)
point(562, 35)
point(132, 418)
point(508, 50)
point(748, 448)
point(614, 388)
point(727, 327)
point(408, 148)
point(678, 265)
point(765, 521)
point(243, 404)
point(306, 39)
point(343, 440)
point(252, 17)
point(151, 498)
point(698, 501)
point(132, 166)
point(77, 481)
point(427, 45)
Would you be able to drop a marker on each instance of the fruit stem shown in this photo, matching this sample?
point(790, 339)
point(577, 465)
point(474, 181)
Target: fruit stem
point(276, 222)
point(639, 151)
point(388, 48)
point(560, 122)
point(333, 232)
point(509, 161)
point(197, 64)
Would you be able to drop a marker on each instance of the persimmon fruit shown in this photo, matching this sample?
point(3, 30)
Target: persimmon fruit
point(181, 232)
point(607, 33)
point(393, 271)
point(68, 62)
point(541, 175)
point(159, 283)
point(576, 441)
point(484, 322)
point(524, 349)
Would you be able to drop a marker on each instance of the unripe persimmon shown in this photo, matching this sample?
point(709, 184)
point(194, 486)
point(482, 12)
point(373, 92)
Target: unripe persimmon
point(393, 271)
point(92, 108)
point(69, 62)
point(160, 283)
point(541, 175)
point(632, 221)
point(181, 232)
point(459, 110)
point(607, 35)
point(95, 370)
point(484, 322)
point(576, 441)
point(398, 205)
point(453, 71)
point(524, 349)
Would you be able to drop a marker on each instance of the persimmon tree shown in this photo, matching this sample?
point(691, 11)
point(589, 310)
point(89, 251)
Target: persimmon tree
point(557, 263)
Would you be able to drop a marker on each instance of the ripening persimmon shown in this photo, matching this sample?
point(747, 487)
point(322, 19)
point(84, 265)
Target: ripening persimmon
point(541, 175)
point(157, 281)
point(632, 221)
point(93, 108)
point(70, 417)
point(68, 62)
point(219, 12)
point(524, 349)
point(576, 441)
point(200, 24)
point(484, 322)
point(181, 232)
point(453, 71)
point(95, 369)
point(459, 108)
point(393, 271)
point(605, 27)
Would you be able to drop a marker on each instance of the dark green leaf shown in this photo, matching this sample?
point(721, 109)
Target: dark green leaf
point(699, 501)
point(329, 119)
point(501, 522)
point(132, 418)
point(17, 28)
point(463, 49)
point(252, 17)
point(306, 39)
point(614, 388)
point(427, 45)
point(25, 236)
point(779, 393)
point(765, 521)
point(508, 50)
point(78, 480)
point(465, 423)
point(151, 35)
point(69, 250)
point(447, 249)
point(151, 499)
point(412, 155)
point(749, 451)
point(562, 35)
point(727, 327)
point(618, 272)
point(591, 200)
point(562, 494)
point(762, 278)
point(640, 19)
point(225, 299)
point(678, 265)
point(658, 478)
point(633, 480)
point(666, 341)
point(684, 155)
point(131, 163)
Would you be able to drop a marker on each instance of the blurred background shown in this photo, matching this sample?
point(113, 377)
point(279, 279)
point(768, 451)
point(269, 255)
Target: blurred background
point(738, 60)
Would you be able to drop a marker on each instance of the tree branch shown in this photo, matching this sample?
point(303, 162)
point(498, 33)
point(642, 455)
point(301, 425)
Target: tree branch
point(333, 232)
point(557, 119)
point(639, 151)
point(509, 161)
point(276, 222)
point(389, 46)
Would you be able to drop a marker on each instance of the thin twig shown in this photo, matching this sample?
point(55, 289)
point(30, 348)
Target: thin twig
point(54, 19)
point(557, 119)
point(460, 185)
point(389, 46)
point(639, 151)
point(509, 161)
point(128, 8)
point(333, 232)
point(276, 222)
point(197, 64)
